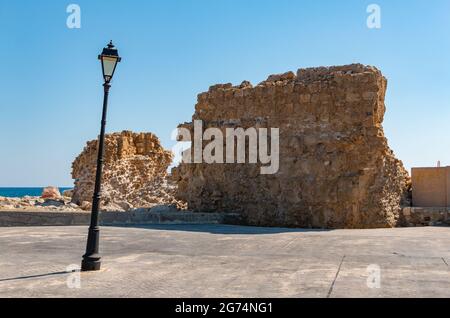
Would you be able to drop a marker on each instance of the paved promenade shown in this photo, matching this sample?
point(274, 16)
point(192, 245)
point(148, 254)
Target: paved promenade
point(227, 261)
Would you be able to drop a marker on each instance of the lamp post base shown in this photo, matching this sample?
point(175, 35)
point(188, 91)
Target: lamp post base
point(91, 263)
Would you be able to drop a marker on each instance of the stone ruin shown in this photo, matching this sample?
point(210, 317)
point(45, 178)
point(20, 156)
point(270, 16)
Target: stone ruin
point(336, 168)
point(134, 173)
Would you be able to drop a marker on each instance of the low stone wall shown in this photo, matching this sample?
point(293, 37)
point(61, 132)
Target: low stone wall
point(410, 217)
point(20, 218)
point(416, 216)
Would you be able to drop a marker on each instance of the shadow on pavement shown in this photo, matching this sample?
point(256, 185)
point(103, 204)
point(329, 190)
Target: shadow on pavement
point(33, 276)
point(221, 229)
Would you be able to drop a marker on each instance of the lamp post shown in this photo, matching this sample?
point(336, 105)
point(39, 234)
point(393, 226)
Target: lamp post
point(91, 259)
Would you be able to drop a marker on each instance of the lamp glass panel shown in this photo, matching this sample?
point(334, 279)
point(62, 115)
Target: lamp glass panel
point(109, 63)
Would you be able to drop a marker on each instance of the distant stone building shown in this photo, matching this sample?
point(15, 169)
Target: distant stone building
point(431, 187)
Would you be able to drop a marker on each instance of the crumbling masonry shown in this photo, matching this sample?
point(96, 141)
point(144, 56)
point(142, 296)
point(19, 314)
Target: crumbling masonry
point(134, 173)
point(336, 169)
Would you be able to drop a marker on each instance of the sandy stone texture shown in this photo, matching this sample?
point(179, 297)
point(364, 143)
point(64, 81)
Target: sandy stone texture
point(336, 168)
point(134, 173)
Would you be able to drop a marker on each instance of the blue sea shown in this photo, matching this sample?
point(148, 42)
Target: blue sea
point(21, 192)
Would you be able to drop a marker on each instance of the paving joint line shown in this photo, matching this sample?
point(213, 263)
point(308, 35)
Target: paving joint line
point(335, 278)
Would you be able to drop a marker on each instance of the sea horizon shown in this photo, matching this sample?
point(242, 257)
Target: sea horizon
point(20, 192)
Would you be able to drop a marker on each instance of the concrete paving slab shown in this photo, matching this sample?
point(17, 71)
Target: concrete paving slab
point(226, 261)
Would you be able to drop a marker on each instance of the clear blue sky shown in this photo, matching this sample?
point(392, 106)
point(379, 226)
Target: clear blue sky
point(50, 79)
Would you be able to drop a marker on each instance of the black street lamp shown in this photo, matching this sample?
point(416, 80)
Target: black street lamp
point(91, 260)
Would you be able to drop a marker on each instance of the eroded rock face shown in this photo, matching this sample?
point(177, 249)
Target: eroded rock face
point(134, 173)
point(51, 193)
point(336, 169)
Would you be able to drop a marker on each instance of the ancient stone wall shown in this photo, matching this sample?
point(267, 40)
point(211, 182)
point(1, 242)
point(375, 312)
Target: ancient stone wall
point(336, 169)
point(134, 173)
